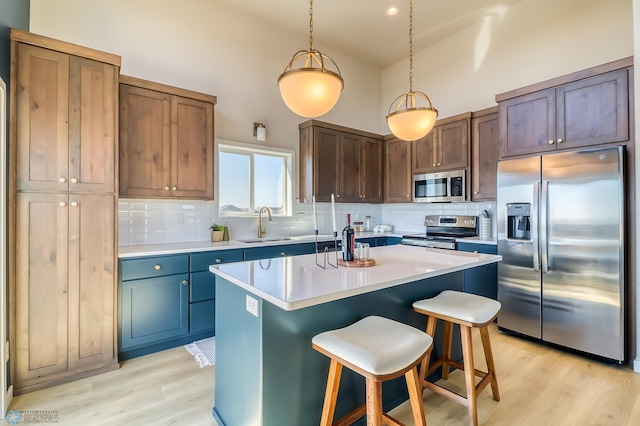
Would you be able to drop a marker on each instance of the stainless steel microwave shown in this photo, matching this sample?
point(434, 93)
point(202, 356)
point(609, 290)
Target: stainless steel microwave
point(440, 187)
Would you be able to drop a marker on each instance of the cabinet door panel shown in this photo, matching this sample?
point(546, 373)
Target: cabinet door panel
point(453, 145)
point(325, 163)
point(91, 280)
point(154, 309)
point(371, 173)
point(145, 135)
point(424, 153)
point(202, 286)
point(594, 110)
point(41, 286)
point(485, 157)
point(41, 120)
point(397, 173)
point(91, 125)
point(527, 124)
point(349, 176)
point(191, 148)
point(202, 316)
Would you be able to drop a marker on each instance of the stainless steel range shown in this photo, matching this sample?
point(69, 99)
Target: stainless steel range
point(442, 230)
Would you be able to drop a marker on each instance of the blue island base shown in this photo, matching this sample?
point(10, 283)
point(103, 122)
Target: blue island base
point(268, 374)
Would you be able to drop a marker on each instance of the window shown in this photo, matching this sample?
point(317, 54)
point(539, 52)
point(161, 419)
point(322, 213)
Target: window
point(253, 176)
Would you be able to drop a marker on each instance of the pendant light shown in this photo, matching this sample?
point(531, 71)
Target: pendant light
point(406, 119)
point(310, 90)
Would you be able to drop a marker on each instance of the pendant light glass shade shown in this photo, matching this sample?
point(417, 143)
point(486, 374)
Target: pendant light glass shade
point(406, 119)
point(310, 90)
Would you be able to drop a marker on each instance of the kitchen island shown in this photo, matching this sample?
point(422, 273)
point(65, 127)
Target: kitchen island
point(267, 311)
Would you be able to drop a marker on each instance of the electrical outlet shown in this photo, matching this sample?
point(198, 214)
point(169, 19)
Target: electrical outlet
point(300, 216)
point(252, 306)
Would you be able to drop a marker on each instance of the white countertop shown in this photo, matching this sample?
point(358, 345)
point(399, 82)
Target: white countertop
point(196, 246)
point(296, 282)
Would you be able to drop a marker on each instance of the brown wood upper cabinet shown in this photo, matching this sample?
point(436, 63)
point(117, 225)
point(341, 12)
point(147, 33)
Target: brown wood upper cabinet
point(166, 141)
point(65, 121)
point(587, 108)
point(446, 147)
point(341, 161)
point(484, 158)
point(397, 170)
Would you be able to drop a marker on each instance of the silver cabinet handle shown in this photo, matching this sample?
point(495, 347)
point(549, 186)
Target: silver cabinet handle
point(62, 204)
point(62, 180)
point(475, 192)
point(283, 254)
point(560, 140)
point(550, 141)
point(218, 260)
point(74, 180)
point(157, 267)
point(185, 282)
point(434, 164)
point(74, 204)
point(166, 188)
point(173, 188)
point(439, 164)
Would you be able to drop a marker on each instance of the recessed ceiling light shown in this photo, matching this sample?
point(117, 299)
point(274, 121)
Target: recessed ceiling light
point(391, 10)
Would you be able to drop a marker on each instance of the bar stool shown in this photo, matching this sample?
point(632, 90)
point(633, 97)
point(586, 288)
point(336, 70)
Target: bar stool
point(468, 311)
point(379, 349)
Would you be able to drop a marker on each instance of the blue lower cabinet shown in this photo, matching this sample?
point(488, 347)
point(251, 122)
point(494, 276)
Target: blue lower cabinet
point(154, 309)
point(203, 286)
point(381, 241)
point(391, 241)
point(202, 316)
point(202, 261)
point(257, 253)
point(482, 280)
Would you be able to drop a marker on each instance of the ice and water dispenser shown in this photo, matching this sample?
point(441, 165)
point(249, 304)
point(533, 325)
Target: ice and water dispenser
point(519, 221)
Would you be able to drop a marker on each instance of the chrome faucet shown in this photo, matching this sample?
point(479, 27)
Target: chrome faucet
point(262, 231)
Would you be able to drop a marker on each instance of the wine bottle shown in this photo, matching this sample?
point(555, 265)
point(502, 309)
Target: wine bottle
point(348, 241)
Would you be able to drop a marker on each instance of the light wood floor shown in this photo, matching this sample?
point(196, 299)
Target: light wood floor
point(539, 385)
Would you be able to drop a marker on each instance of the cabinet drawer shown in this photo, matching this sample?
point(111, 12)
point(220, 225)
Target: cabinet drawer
point(480, 248)
point(201, 261)
point(202, 316)
point(203, 286)
point(150, 267)
point(278, 251)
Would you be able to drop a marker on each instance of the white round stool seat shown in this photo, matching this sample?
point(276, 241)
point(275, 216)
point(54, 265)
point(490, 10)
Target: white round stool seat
point(466, 307)
point(375, 344)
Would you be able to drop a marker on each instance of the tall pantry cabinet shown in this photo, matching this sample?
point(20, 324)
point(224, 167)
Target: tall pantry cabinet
point(62, 211)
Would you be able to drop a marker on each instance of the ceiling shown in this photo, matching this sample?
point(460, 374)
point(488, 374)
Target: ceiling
point(362, 29)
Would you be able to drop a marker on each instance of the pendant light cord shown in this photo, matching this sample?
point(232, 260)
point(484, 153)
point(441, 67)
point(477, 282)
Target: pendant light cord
point(310, 25)
point(410, 46)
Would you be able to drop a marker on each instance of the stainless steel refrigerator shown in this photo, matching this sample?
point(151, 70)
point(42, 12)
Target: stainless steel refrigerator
point(561, 238)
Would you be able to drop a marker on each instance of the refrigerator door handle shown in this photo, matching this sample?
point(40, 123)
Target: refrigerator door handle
point(534, 226)
point(544, 240)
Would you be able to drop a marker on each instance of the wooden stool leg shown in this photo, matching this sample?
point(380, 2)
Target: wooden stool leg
point(448, 332)
point(374, 402)
point(331, 394)
point(414, 385)
point(469, 375)
point(488, 354)
point(424, 366)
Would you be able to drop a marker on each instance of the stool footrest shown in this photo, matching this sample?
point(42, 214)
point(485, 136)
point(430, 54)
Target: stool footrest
point(460, 399)
point(361, 411)
point(455, 364)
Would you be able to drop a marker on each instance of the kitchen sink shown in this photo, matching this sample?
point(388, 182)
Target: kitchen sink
point(266, 240)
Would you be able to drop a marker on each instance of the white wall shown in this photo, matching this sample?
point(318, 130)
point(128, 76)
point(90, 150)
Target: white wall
point(533, 41)
point(206, 46)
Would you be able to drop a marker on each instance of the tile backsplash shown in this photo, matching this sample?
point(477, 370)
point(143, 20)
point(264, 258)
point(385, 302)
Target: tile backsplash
point(169, 221)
